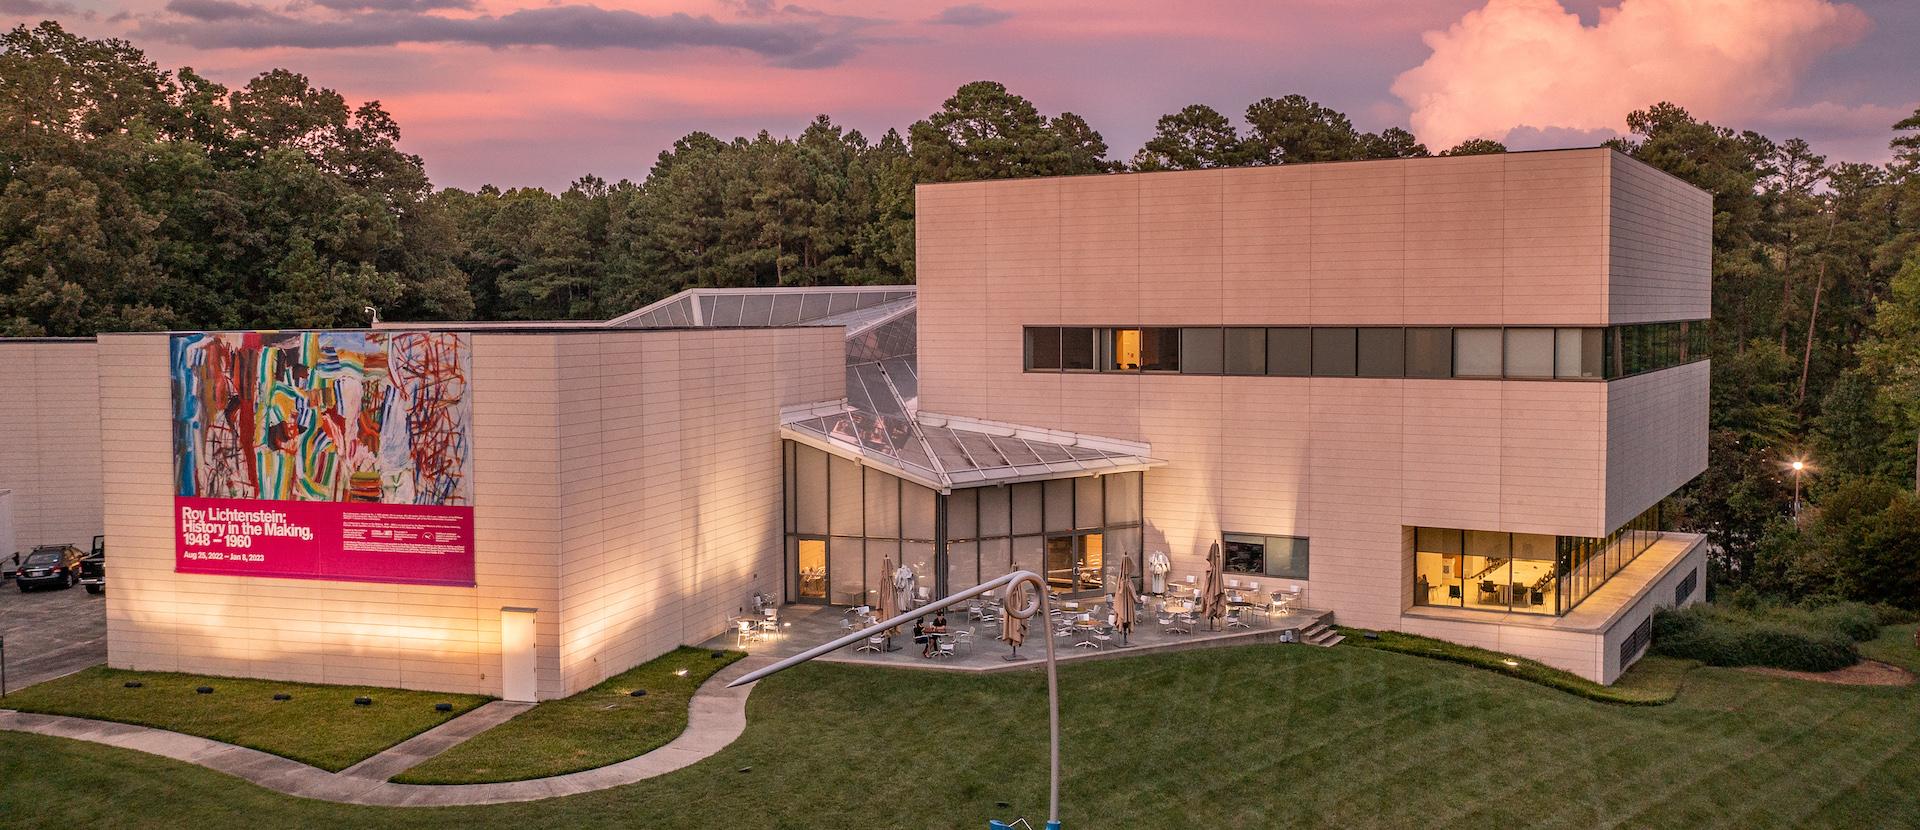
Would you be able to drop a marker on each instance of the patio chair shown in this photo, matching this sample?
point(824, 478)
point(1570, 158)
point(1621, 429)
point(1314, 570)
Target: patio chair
point(943, 647)
point(875, 644)
point(1235, 619)
point(1179, 624)
point(964, 638)
point(746, 634)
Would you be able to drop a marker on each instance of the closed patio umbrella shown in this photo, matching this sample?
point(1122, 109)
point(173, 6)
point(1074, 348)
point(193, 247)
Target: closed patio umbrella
point(1124, 601)
point(1013, 629)
point(1213, 602)
point(903, 584)
point(889, 601)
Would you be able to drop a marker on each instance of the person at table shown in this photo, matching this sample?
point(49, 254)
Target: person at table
point(940, 622)
point(920, 636)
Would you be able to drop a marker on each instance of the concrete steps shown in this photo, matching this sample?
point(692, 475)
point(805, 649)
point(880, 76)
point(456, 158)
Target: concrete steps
point(1321, 633)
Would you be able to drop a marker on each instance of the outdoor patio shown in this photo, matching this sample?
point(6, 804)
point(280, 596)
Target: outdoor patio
point(800, 627)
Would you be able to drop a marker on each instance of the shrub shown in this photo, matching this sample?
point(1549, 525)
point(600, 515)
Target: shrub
point(1819, 640)
point(1856, 620)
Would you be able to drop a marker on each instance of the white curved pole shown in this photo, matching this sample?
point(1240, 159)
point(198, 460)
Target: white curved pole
point(1013, 582)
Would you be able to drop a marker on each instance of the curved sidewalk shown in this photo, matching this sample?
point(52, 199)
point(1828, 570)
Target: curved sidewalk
point(716, 715)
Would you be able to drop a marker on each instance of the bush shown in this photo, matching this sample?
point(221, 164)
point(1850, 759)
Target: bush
point(1894, 615)
point(1820, 640)
point(1858, 621)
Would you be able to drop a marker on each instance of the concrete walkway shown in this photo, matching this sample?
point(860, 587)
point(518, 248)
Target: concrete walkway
point(716, 716)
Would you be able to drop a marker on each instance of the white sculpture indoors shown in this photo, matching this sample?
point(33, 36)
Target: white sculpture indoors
point(1158, 566)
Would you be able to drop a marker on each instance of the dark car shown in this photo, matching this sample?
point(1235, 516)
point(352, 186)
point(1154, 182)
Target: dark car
point(50, 566)
point(93, 569)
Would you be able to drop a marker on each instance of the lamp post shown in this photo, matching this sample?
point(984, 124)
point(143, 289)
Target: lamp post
point(1799, 467)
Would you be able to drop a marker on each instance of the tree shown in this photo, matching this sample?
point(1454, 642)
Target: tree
point(1292, 129)
point(1475, 147)
point(986, 132)
point(1391, 143)
point(1195, 138)
point(135, 198)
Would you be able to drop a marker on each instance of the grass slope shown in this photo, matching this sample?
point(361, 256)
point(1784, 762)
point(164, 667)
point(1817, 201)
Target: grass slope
point(594, 728)
point(1650, 682)
point(319, 726)
point(1254, 736)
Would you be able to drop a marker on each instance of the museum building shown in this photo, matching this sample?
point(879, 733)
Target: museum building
point(1445, 396)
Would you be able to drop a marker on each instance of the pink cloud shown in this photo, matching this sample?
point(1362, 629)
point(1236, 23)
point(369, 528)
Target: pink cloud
point(1532, 62)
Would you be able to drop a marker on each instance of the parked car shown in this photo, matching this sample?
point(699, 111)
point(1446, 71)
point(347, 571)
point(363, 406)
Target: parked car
point(48, 566)
point(93, 569)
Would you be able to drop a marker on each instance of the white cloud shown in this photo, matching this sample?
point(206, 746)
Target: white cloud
point(1531, 62)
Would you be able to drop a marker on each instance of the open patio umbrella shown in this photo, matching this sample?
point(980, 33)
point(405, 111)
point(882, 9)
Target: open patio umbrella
point(1124, 601)
point(1213, 602)
point(1012, 628)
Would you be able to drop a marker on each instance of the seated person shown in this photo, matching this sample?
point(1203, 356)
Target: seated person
point(940, 622)
point(920, 636)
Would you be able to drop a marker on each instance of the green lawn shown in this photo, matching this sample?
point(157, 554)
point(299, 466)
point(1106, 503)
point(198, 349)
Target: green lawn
point(1253, 736)
point(320, 725)
point(1895, 646)
point(594, 728)
point(1651, 682)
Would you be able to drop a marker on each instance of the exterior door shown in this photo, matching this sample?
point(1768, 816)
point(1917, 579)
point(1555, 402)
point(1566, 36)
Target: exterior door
point(1076, 564)
point(810, 570)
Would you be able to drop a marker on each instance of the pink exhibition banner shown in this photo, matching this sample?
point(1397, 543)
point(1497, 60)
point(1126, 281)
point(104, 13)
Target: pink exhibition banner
point(407, 543)
point(339, 455)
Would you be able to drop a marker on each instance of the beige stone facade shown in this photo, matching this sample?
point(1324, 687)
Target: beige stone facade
point(50, 449)
point(627, 485)
point(1582, 238)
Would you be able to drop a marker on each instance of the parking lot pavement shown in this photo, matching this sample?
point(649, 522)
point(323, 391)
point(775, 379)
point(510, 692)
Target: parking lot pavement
point(51, 633)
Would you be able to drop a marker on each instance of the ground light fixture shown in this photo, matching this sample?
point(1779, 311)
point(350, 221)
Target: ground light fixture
point(363, 701)
point(679, 672)
point(1014, 583)
point(1511, 663)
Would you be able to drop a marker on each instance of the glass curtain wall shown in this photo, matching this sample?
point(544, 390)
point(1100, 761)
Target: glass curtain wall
point(844, 520)
point(1075, 532)
point(1515, 352)
point(1522, 572)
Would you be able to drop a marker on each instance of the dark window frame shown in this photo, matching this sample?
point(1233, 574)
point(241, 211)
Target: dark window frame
point(1304, 545)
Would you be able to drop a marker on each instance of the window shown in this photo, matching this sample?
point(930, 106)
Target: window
point(1382, 353)
point(1333, 352)
point(1476, 353)
point(1246, 351)
point(1076, 349)
point(1577, 353)
point(1124, 353)
point(1529, 353)
point(1160, 350)
point(1284, 557)
point(1519, 352)
point(1288, 351)
point(1201, 352)
point(1043, 349)
point(1429, 353)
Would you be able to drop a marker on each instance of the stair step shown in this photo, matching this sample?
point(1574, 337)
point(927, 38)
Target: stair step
point(1329, 642)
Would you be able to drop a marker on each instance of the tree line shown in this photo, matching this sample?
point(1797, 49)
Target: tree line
point(138, 198)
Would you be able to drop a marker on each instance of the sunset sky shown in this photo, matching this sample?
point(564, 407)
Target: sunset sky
point(525, 92)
